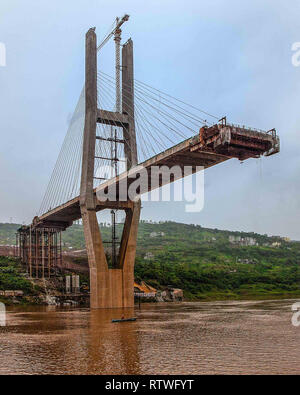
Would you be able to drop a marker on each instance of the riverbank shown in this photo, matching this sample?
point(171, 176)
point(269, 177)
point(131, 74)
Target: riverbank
point(230, 296)
point(39, 300)
point(212, 284)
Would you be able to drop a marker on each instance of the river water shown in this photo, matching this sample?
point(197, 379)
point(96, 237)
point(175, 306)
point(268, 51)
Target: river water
point(236, 337)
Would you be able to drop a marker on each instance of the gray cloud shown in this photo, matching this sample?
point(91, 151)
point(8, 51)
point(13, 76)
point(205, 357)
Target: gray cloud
point(230, 58)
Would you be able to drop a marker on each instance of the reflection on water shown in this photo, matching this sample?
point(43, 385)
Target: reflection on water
point(216, 337)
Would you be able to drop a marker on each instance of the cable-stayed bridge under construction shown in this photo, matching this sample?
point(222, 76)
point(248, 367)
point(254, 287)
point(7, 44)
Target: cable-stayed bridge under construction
point(121, 130)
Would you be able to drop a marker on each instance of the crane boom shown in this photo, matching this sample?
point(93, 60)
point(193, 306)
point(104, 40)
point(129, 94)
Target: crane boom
point(119, 23)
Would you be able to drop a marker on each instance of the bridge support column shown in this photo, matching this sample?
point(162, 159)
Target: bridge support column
point(127, 253)
point(111, 288)
point(99, 282)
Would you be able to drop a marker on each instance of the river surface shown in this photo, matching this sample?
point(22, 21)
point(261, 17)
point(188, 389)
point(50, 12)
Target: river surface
point(237, 337)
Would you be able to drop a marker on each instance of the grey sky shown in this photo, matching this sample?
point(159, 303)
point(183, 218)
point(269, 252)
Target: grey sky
point(229, 57)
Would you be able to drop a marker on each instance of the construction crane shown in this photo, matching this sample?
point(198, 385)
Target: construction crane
point(116, 32)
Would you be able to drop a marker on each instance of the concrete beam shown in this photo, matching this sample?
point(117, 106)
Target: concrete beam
point(112, 118)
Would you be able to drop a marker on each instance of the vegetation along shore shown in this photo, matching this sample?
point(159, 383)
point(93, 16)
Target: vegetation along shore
point(208, 264)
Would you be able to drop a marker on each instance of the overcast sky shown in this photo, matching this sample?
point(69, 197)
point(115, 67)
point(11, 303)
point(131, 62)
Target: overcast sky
point(229, 57)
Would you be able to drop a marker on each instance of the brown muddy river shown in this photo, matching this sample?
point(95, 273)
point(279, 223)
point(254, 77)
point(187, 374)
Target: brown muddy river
point(245, 337)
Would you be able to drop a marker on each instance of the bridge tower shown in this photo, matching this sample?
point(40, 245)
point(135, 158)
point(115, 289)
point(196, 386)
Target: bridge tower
point(110, 287)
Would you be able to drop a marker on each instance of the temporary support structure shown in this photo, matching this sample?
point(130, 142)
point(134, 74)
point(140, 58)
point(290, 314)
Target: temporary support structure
point(40, 249)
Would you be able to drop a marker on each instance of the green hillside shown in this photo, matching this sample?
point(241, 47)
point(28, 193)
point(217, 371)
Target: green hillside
point(12, 278)
point(8, 234)
point(204, 262)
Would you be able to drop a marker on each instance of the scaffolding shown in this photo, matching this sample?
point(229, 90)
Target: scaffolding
point(40, 249)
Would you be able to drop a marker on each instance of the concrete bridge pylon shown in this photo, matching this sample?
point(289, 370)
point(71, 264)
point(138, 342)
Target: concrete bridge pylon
point(109, 287)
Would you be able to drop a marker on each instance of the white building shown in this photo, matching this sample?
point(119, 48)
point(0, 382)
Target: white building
point(156, 234)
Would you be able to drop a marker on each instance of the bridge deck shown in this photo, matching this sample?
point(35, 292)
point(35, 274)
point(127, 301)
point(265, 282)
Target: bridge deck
point(211, 146)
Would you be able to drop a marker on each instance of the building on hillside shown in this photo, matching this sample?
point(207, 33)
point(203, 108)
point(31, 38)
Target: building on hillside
point(210, 239)
point(247, 261)
point(242, 241)
point(234, 239)
point(276, 244)
point(149, 255)
point(156, 234)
